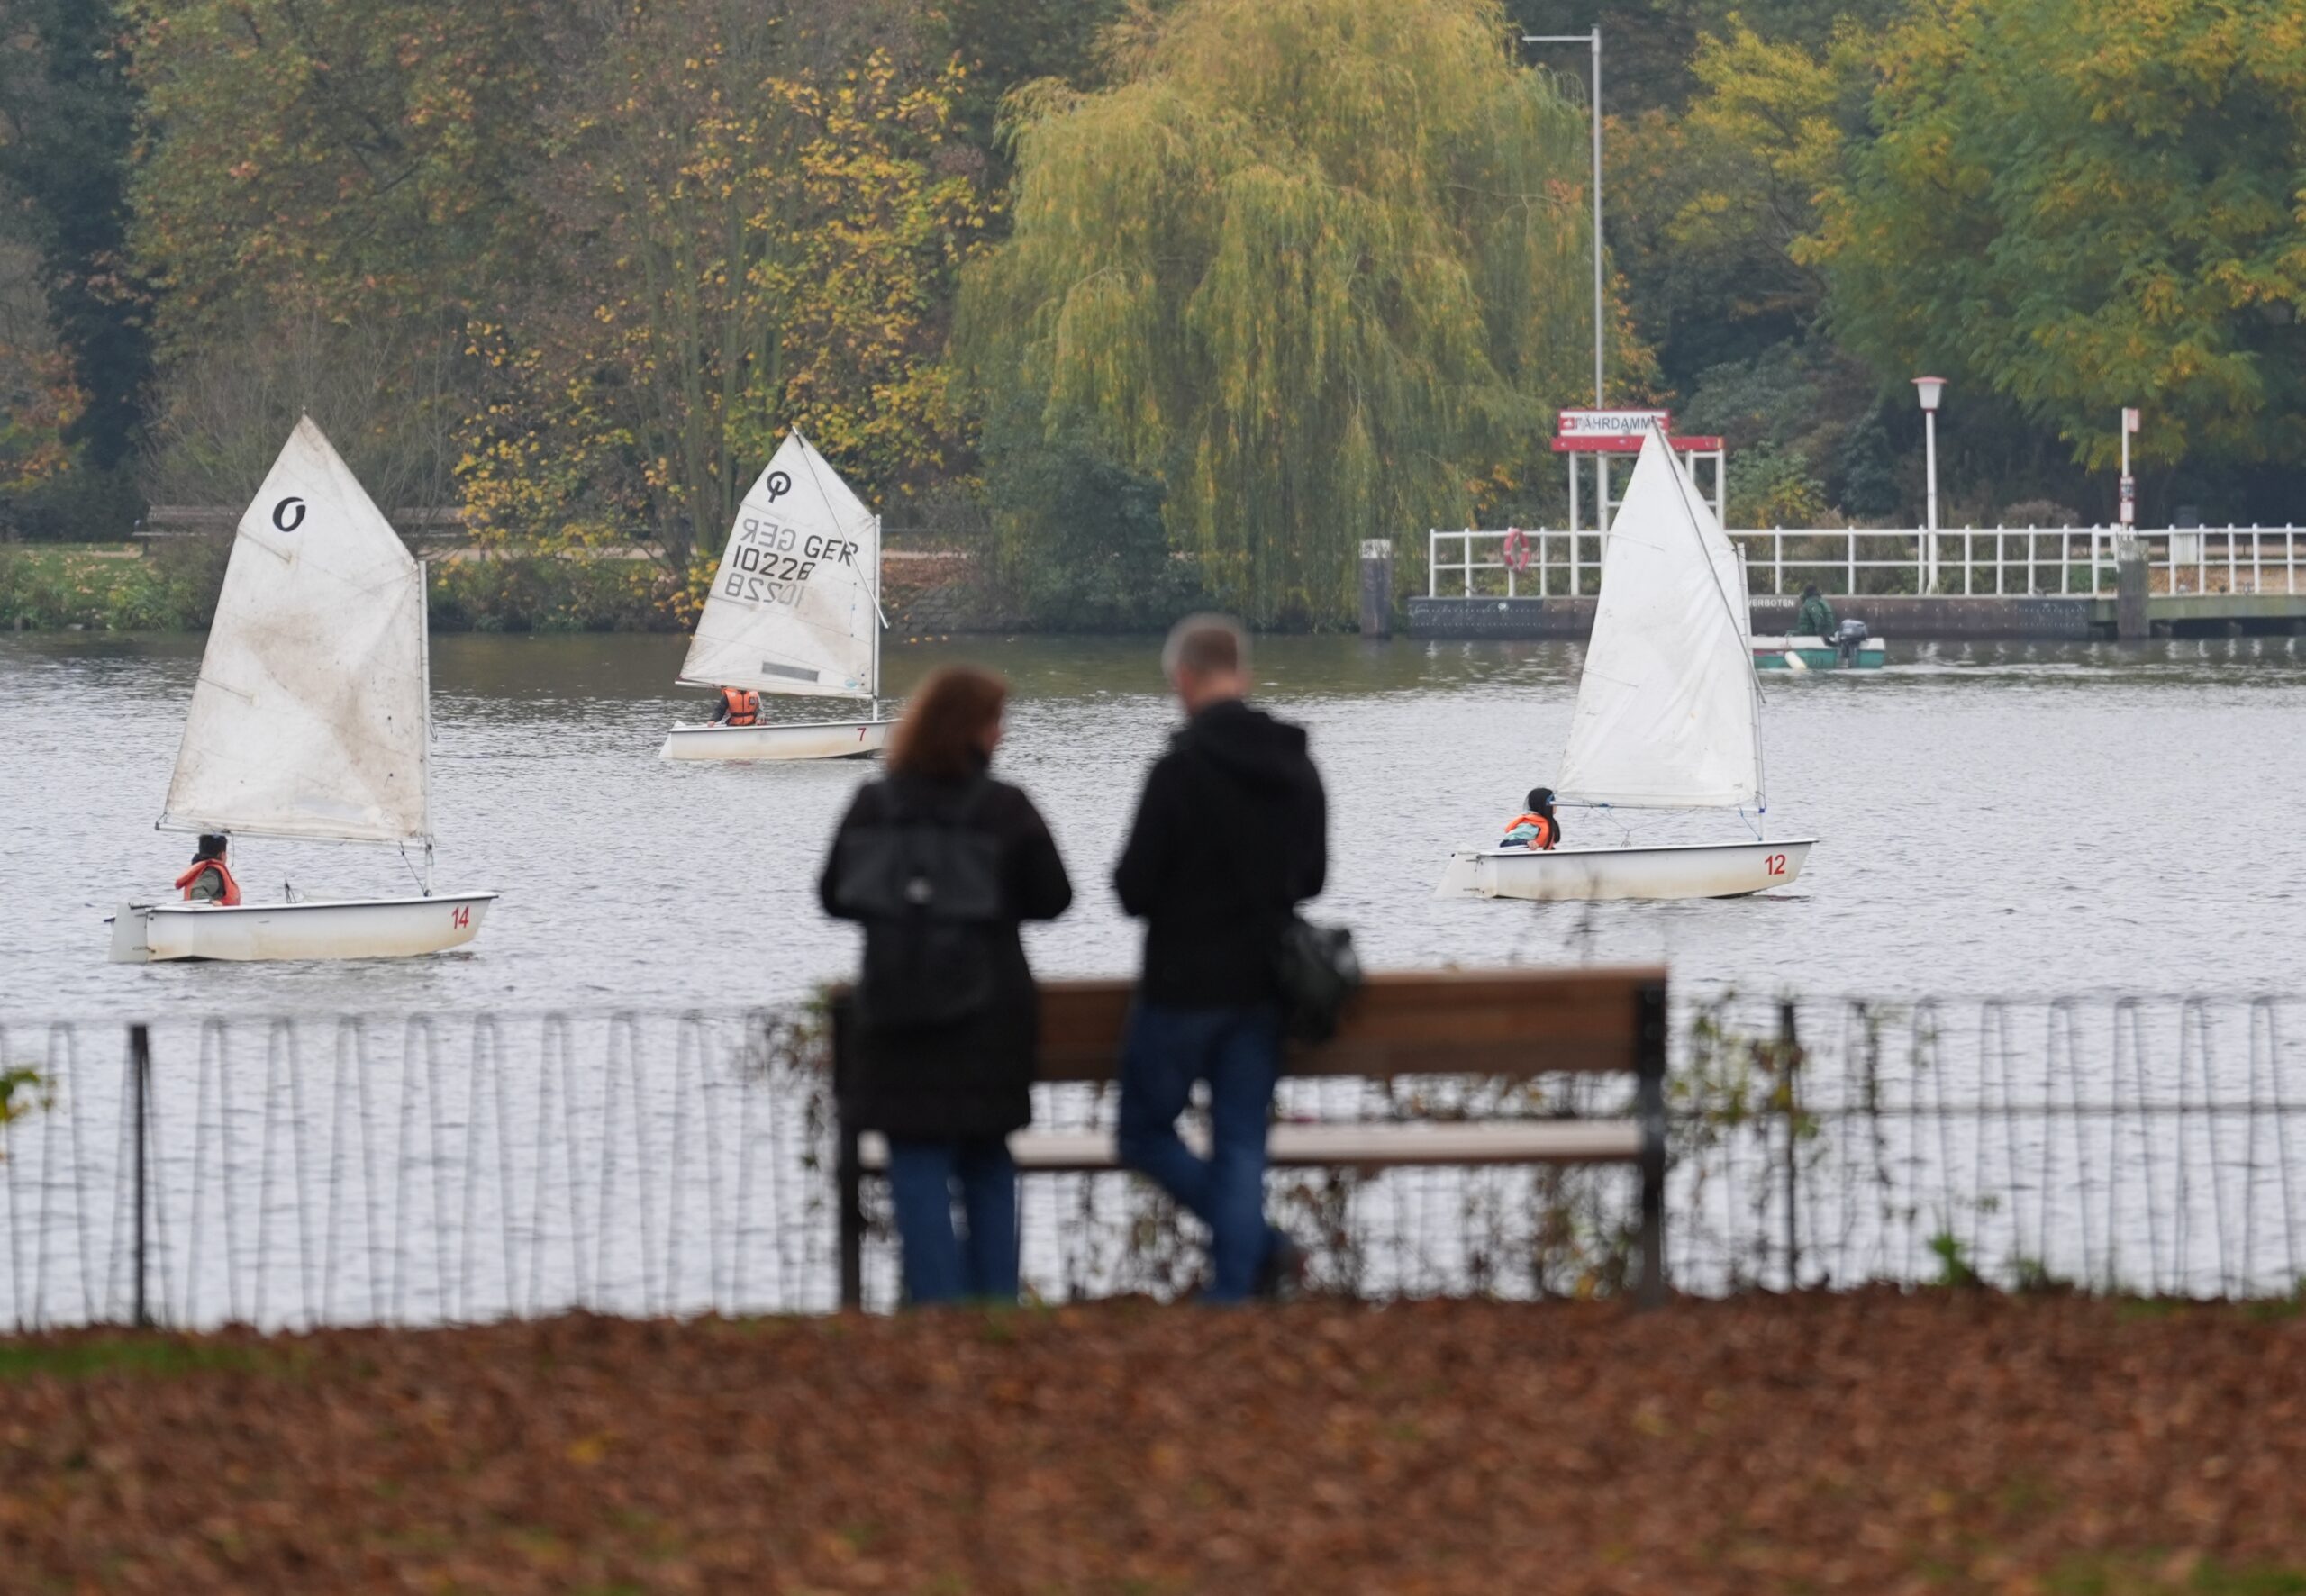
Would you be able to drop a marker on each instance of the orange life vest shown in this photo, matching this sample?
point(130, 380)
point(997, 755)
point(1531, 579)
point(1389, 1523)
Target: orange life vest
point(231, 898)
point(743, 704)
point(1547, 832)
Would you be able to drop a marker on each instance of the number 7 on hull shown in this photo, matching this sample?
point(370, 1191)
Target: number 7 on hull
point(794, 610)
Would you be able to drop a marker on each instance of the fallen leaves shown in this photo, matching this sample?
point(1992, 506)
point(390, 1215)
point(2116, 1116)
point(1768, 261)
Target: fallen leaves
point(1864, 1442)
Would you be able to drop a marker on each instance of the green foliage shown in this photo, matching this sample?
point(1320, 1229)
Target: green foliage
point(363, 157)
point(328, 190)
point(1082, 545)
point(1955, 1270)
point(169, 587)
point(753, 224)
point(547, 594)
point(83, 1358)
point(2079, 204)
point(1772, 488)
point(1001, 44)
point(67, 122)
point(1315, 267)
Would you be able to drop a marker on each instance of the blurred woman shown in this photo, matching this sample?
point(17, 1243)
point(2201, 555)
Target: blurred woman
point(941, 865)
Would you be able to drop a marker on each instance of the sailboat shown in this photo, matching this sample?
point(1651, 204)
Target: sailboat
point(311, 720)
point(795, 610)
point(1668, 714)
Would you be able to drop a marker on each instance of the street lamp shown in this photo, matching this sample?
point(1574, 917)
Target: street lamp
point(1931, 389)
point(1594, 40)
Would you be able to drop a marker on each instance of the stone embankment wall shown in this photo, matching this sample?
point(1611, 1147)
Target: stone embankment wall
point(934, 594)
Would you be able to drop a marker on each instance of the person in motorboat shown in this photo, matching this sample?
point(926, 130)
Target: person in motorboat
point(739, 706)
point(210, 878)
point(1535, 828)
point(1815, 617)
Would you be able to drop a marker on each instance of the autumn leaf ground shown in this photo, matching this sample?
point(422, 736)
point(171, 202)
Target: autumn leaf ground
point(1874, 1442)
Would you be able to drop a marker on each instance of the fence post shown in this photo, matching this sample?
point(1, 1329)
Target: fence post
point(1649, 1062)
point(1376, 587)
point(2132, 618)
point(139, 1085)
point(849, 1173)
point(1789, 1064)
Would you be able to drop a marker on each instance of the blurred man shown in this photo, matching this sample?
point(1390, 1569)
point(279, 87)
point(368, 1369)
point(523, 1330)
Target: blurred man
point(1231, 835)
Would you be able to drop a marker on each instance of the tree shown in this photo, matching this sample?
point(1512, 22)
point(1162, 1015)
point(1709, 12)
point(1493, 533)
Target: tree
point(2080, 204)
point(359, 158)
point(67, 121)
point(330, 191)
point(1315, 267)
point(754, 221)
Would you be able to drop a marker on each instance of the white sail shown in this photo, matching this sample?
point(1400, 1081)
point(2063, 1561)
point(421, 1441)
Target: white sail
point(1667, 709)
point(794, 605)
point(309, 716)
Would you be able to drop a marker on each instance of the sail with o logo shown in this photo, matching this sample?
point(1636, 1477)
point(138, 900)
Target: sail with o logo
point(794, 608)
point(309, 718)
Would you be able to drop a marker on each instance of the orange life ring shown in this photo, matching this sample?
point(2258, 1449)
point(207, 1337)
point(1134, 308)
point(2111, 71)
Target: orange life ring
point(1517, 552)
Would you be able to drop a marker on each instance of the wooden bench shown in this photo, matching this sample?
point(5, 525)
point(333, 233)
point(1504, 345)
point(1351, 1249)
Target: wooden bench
point(1510, 1024)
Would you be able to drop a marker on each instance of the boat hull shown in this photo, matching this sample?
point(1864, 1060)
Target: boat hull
point(361, 927)
point(1815, 654)
point(816, 739)
point(1700, 870)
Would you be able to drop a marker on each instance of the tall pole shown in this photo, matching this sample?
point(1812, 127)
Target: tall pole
point(1929, 470)
point(1597, 217)
point(1929, 390)
point(2130, 483)
point(1593, 41)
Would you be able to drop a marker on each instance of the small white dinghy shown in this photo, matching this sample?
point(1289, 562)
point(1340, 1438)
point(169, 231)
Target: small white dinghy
point(311, 720)
point(1668, 714)
point(794, 610)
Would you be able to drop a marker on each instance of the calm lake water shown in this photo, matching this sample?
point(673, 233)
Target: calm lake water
point(2013, 819)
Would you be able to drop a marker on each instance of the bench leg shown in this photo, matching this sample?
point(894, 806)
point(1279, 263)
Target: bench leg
point(1650, 1018)
point(848, 1172)
point(851, 1177)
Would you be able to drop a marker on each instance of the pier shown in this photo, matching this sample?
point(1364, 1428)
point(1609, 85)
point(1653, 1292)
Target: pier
point(1958, 584)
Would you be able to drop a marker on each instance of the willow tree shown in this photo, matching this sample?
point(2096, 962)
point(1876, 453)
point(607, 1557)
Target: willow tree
point(1315, 265)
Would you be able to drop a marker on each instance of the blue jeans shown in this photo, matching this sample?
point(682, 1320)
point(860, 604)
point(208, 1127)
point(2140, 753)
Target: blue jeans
point(1238, 1051)
point(939, 1265)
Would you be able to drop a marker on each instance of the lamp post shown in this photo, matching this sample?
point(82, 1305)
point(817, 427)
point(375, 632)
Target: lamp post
point(1592, 41)
point(1931, 389)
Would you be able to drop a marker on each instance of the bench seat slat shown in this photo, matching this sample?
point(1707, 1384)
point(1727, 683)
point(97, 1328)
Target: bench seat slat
point(1514, 1024)
point(1375, 1145)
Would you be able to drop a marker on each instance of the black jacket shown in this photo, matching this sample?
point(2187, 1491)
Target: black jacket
point(1231, 834)
point(970, 1080)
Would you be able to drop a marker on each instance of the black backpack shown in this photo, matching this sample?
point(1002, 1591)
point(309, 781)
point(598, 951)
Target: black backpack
point(928, 890)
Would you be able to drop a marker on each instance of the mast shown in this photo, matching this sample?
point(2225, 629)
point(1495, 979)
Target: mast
point(424, 754)
point(880, 620)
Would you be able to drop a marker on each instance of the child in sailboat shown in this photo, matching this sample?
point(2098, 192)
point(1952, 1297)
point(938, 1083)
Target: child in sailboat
point(210, 879)
point(738, 706)
point(1535, 826)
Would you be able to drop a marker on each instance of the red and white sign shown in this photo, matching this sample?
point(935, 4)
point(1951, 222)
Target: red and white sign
point(2129, 420)
point(1607, 430)
point(1620, 432)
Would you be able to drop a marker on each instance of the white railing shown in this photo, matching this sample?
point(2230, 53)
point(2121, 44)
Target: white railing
point(1967, 562)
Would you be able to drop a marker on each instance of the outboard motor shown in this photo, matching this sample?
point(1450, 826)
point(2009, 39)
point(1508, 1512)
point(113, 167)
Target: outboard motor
point(1847, 638)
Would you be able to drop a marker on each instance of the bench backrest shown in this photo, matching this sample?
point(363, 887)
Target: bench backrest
point(1513, 1023)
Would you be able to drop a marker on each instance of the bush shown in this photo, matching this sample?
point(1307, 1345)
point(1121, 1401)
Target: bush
point(1082, 546)
point(544, 593)
point(171, 586)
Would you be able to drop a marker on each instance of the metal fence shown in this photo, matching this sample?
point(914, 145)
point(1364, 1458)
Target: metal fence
point(1970, 562)
point(444, 1169)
